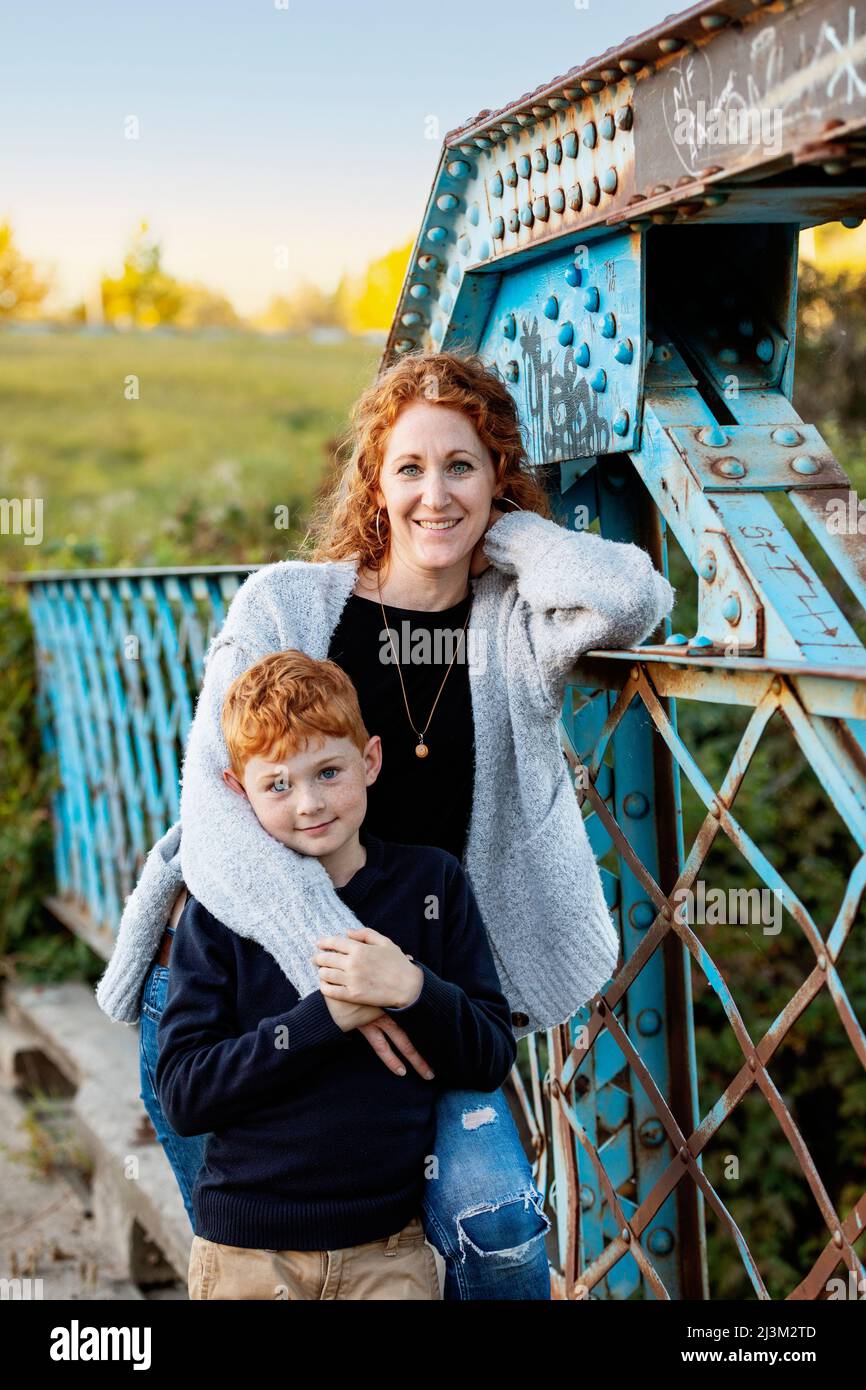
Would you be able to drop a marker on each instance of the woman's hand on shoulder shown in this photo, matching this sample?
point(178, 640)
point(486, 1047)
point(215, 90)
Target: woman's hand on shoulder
point(480, 562)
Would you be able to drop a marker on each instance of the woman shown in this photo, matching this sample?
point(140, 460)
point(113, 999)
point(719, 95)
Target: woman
point(416, 542)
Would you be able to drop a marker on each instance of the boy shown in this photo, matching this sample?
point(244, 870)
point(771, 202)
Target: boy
point(313, 1177)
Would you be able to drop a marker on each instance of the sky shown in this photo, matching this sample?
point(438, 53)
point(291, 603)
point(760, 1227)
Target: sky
point(261, 124)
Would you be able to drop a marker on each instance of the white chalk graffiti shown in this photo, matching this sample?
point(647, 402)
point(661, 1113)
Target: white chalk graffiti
point(780, 80)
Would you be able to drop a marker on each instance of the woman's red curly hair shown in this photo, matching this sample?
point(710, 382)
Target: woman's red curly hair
point(343, 522)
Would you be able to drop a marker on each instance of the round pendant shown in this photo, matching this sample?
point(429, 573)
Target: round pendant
point(421, 750)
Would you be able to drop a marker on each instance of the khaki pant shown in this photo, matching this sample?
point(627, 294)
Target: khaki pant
point(400, 1266)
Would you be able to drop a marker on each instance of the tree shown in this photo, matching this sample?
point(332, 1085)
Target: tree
point(145, 295)
point(21, 289)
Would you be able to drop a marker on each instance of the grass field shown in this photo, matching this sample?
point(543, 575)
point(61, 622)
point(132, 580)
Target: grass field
point(224, 430)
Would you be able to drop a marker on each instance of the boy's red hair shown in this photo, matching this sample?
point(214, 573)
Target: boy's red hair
point(284, 699)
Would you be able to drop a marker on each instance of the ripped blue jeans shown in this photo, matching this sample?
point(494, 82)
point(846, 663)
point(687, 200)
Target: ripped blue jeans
point(482, 1212)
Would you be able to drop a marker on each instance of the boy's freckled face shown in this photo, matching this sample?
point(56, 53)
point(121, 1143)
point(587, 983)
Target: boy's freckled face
point(316, 799)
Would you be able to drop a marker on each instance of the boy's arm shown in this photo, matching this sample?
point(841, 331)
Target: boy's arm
point(208, 1076)
point(462, 1023)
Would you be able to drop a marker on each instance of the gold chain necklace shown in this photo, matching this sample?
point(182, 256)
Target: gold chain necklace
point(421, 749)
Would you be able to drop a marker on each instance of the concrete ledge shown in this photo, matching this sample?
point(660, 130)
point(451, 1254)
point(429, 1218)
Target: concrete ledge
point(133, 1181)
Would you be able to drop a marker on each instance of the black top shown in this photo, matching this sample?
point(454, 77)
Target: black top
point(414, 801)
point(315, 1144)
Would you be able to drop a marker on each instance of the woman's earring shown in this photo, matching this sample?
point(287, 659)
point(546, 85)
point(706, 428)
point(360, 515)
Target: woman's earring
point(378, 532)
point(513, 504)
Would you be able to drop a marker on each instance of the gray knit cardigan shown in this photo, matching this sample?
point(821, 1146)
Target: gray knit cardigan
point(548, 595)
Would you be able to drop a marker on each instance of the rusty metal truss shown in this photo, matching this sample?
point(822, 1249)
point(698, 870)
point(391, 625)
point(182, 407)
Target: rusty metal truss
point(620, 246)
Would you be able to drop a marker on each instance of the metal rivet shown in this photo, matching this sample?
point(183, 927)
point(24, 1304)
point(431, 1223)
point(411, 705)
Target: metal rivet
point(581, 355)
point(598, 380)
point(621, 423)
point(496, 185)
point(509, 326)
point(588, 135)
point(660, 1241)
point(714, 436)
point(624, 352)
point(651, 1132)
point(512, 371)
point(786, 435)
point(803, 464)
point(570, 144)
point(551, 308)
point(566, 334)
point(732, 468)
point(732, 609)
point(590, 298)
point(607, 328)
point(497, 228)
point(606, 128)
point(764, 350)
point(573, 275)
point(609, 180)
point(649, 1022)
point(593, 192)
point(575, 197)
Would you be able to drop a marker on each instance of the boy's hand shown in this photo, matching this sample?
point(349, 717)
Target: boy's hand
point(348, 1016)
point(365, 967)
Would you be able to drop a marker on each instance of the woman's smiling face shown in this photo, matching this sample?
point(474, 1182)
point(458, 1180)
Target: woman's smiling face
point(435, 469)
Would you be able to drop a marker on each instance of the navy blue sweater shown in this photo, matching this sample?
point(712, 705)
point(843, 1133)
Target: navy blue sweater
point(314, 1144)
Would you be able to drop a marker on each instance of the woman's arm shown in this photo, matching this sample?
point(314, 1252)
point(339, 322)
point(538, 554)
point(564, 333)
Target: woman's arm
point(582, 591)
point(245, 878)
point(208, 1075)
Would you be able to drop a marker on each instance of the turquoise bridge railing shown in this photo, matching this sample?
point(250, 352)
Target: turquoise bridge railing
point(120, 658)
point(632, 277)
